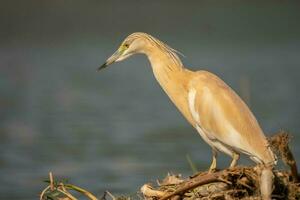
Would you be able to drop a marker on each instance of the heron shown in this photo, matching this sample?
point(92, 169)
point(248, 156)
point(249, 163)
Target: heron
point(218, 114)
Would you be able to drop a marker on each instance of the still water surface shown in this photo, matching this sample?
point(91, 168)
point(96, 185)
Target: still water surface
point(116, 130)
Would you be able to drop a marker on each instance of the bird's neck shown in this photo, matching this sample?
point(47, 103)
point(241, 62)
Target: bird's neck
point(173, 78)
point(164, 66)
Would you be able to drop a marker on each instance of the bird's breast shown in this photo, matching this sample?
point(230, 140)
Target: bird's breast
point(180, 97)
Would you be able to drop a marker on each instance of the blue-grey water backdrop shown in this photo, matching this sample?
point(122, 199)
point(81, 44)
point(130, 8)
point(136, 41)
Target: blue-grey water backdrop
point(116, 130)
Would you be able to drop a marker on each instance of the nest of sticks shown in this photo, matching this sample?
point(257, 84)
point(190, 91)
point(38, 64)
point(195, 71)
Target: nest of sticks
point(237, 183)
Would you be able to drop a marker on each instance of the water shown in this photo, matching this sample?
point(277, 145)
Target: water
point(116, 130)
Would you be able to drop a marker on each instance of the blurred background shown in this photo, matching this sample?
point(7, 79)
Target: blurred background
point(116, 130)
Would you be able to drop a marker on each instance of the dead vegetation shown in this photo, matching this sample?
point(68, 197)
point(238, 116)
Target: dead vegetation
point(236, 183)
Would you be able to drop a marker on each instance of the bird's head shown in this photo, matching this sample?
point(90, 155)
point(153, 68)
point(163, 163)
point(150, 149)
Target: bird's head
point(133, 44)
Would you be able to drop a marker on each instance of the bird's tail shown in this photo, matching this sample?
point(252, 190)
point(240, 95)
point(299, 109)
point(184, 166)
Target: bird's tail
point(270, 159)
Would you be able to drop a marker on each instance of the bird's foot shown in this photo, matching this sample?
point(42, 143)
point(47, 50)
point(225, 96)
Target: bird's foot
point(213, 166)
point(212, 170)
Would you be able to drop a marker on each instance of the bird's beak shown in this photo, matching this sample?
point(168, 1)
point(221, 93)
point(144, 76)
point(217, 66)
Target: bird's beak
point(111, 59)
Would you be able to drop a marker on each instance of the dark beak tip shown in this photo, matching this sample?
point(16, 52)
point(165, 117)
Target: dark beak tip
point(102, 67)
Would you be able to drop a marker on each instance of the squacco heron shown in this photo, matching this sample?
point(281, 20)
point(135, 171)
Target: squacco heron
point(219, 115)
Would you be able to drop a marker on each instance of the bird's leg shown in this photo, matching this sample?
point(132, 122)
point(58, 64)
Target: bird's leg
point(235, 158)
point(213, 164)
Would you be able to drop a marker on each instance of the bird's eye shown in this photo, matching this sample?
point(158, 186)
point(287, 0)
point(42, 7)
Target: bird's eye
point(126, 45)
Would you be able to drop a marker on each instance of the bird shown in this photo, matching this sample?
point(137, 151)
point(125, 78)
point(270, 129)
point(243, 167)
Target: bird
point(212, 107)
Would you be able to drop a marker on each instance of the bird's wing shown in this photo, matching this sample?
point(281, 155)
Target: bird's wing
point(221, 113)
